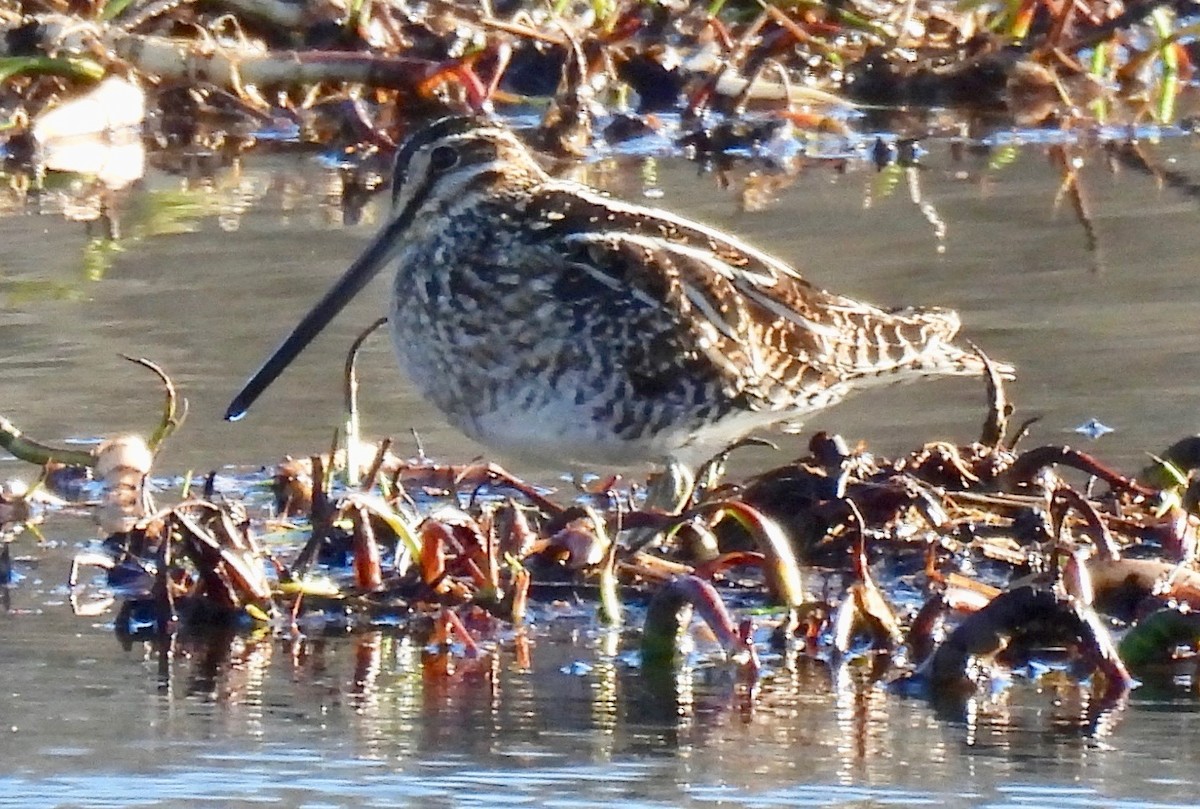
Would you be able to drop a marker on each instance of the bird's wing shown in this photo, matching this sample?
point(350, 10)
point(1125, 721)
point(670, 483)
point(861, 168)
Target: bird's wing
point(765, 331)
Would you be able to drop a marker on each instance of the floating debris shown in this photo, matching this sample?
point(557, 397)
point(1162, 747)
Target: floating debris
point(1094, 429)
point(736, 76)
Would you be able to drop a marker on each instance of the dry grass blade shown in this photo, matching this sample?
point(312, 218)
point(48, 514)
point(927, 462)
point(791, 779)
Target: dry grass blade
point(351, 431)
point(173, 415)
point(999, 408)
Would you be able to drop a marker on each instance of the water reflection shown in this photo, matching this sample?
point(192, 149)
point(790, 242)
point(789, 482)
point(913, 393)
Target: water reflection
point(375, 717)
point(1072, 260)
point(400, 699)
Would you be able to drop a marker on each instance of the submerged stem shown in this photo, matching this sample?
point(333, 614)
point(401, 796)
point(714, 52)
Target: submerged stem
point(35, 452)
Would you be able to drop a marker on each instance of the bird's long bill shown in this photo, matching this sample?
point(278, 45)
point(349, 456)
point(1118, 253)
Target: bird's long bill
point(364, 268)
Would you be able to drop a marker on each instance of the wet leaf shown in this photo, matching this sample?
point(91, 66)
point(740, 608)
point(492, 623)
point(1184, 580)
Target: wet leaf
point(310, 586)
point(610, 601)
point(113, 8)
point(670, 612)
point(780, 566)
point(1155, 638)
point(70, 67)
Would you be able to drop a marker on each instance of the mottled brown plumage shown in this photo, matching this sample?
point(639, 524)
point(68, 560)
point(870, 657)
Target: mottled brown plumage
point(547, 319)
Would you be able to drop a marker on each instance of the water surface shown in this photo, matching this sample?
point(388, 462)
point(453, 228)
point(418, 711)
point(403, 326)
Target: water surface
point(1100, 323)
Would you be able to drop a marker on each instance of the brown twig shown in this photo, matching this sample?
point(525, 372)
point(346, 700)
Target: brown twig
point(999, 408)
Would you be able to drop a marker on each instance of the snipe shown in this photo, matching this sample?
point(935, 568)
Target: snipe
point(548, 320)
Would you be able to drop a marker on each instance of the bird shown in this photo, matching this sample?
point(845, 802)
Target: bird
point(550, 321)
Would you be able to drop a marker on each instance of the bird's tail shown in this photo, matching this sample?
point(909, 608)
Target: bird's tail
point(911, 343)
point(895, 346)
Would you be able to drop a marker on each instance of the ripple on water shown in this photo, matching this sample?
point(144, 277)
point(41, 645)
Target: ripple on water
point(1105, 334)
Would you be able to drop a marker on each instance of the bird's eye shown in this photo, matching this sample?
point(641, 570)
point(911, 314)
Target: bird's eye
point(442, 158)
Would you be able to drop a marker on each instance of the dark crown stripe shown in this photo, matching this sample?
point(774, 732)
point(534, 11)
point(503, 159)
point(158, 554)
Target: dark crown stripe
point(440, 129)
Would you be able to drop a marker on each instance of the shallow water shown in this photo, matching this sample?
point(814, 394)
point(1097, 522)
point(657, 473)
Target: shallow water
point(559, 715)
point(1102, 333)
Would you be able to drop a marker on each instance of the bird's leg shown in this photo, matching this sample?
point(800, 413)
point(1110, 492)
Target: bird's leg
point(667, 492)
point(670, 490)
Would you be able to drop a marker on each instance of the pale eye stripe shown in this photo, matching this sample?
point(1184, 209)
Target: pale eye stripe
point(452, 190)
point(462, 174)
